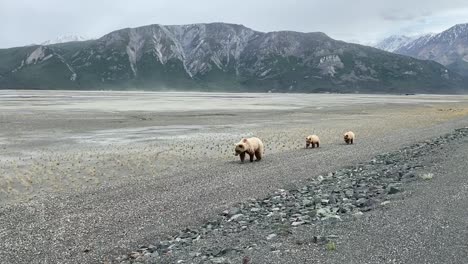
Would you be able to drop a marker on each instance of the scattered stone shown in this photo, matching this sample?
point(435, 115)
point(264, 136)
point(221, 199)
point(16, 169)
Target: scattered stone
point(232, 211)
point(218, 260)
point(361, 202)
point(298, 223)
point(358, 214)
point(307, 202)
point(427, 176)
point(135, 254)
point(323, 212)
point(275, 246)
point(236, 217)
point(346, 193)
point(410, 176)
point(194, 254)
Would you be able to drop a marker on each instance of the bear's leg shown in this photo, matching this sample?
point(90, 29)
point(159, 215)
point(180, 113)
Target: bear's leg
point(307, 145)
point(318, 144)
point(352, 141)
point(313, 145)
point(251, 155)
point(242, 156)
point(258, 155)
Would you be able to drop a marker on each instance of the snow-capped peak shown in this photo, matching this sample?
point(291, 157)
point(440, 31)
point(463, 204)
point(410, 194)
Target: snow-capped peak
point(394, 42)
point(452, 34)
point(446, 47)
point(65, 38)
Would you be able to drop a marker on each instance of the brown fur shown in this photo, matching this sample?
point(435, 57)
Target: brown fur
point(349, 137)
point(312, 140)
point(252, 146)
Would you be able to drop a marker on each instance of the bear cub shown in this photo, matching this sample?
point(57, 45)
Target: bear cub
point(312, 140)
point(252, 146)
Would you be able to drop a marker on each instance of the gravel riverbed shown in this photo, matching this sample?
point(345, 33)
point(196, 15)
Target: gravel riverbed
point(86, 177)
point(259, 224)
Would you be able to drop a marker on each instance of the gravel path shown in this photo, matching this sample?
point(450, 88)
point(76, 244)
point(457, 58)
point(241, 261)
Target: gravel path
point(406, 206)
point(97, 225)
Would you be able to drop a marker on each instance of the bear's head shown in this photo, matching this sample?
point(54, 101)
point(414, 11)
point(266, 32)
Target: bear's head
point(346, 136)
point(241, 147)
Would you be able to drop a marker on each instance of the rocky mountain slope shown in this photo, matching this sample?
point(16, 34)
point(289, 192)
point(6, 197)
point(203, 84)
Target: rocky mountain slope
point(449, 48)
point(220, 57)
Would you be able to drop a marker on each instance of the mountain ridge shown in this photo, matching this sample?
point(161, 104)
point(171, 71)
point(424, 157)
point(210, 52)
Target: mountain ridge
point(449, 48)
point(64, 39)
point(220, 57)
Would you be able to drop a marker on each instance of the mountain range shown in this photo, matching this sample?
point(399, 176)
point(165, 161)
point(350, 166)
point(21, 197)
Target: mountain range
point(221, 57)
point(449, 48)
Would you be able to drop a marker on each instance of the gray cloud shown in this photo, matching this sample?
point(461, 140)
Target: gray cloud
point(32, 21)
point(404, 15)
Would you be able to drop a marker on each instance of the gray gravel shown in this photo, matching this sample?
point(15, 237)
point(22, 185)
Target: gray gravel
point(427, 223)
point(320, 219)
point(100, 224)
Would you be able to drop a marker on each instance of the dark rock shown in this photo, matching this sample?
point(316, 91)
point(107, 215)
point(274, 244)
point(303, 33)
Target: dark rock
point(275, 246)
point(342, 210)
point(361, 202)
point(392, 189)
point(307, 202)
point(410, 176)
point(122, 258)
point(321, 240)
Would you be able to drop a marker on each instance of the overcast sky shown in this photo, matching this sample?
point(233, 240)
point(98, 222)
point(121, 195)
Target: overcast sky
point(24, 22)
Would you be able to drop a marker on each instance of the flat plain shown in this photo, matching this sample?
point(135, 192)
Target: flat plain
point(85, 176)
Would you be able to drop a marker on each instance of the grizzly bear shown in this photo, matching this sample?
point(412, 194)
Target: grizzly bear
point(349, 137)
point(252, 146)
point(312, 140)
